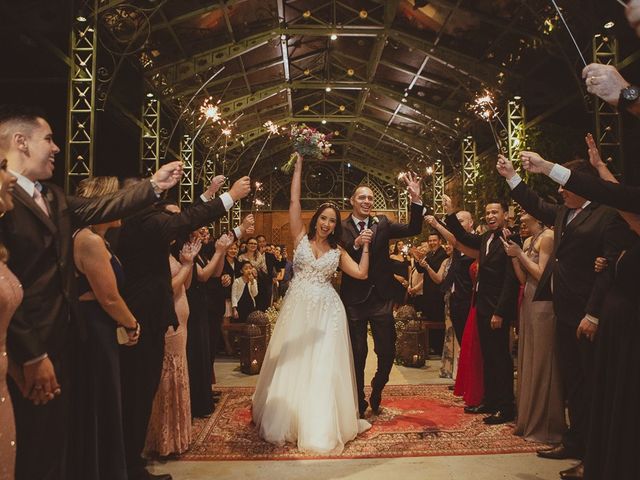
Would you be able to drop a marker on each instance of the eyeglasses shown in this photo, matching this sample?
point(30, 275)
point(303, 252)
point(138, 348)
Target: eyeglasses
point(251, 243)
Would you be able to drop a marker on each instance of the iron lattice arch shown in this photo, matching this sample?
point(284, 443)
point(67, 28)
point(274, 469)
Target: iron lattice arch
point(321, 182)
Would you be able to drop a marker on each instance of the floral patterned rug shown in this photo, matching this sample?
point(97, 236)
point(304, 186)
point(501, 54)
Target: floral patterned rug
point(415, 421)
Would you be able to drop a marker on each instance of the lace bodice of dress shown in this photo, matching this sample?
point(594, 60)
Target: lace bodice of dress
point(307, 268)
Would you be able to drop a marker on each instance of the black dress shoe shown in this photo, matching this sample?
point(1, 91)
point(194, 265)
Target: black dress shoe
point(558, 453)
point(482, 408)
point(451, 387)
point(375, 398)
point(573, 473)
point(500, 417)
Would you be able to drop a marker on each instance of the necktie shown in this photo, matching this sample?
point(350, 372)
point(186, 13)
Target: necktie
point(361, 225)
point(39, 199)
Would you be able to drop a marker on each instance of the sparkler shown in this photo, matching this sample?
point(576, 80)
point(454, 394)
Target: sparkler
point(226, 132)
point(483, 107)
point(175, 126)
point(273, 130)
point(555, 5)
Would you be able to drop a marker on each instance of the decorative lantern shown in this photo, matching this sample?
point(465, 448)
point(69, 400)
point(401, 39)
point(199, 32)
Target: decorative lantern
point(261, 320)
point(253, 345)
point(410, 348)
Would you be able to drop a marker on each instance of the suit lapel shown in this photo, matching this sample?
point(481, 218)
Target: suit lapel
point(22, 196)
point(579, 219)
point(351, 227)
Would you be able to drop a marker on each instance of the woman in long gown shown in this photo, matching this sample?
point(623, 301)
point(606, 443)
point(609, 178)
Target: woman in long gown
point(169, 430)
point(470, 376)
point(199, 296)
point(100, 275)
point(306, 392)
point(10, 298)
point(539, 398)
point(470, 373)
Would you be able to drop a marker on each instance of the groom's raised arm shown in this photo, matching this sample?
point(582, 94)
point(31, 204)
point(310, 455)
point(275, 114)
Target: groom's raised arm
point(414, 227)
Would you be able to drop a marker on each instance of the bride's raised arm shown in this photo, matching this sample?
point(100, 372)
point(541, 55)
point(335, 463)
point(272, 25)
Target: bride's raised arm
point(348, 265)
point(295, 210)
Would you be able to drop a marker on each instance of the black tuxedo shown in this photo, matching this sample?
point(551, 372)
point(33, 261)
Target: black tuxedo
point(569, 280)
point(48, 320)
point(459, 279)
point(497, 294)
point(370, 300)
point(595, 231)
point(143, 248)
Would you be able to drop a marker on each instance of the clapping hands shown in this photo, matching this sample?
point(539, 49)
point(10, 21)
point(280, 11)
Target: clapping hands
point(189, 252)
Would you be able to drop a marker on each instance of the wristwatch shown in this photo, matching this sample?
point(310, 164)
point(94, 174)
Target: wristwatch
point(628, 96)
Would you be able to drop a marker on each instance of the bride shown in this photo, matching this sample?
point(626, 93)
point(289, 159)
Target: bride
point(306, 392)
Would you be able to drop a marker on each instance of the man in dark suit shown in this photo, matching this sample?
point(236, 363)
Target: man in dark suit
point(496, 302)
point(45, 329)
point(369, 301)
point(583, 231)
point(143, 248)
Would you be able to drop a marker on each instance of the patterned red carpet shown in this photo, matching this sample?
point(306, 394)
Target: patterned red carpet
point(417, 420)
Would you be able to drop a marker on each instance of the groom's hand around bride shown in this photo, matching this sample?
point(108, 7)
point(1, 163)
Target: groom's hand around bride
point(365, 237)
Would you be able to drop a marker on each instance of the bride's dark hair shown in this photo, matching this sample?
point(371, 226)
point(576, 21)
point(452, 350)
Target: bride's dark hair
point(335, 238)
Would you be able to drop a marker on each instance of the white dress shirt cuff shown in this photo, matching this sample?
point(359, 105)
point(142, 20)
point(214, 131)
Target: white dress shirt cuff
point(559, 174)
point(592, 319)
point(36, 360)
point(227, 201)
point(237, 232)
point(514, 181)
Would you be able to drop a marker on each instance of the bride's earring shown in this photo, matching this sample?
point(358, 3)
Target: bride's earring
point(3, 208)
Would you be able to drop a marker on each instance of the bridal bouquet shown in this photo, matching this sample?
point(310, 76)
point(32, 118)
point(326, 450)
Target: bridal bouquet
point(309, 143)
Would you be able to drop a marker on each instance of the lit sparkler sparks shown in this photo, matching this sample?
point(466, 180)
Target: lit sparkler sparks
point(209, 111)
point(483, 106)
point(272, 127)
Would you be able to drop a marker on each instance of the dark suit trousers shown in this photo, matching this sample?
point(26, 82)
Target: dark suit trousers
point(498, 364)
point(42, 432)
point(576, 365)
point(140, 369)
point(459, 306)
point(379, 313)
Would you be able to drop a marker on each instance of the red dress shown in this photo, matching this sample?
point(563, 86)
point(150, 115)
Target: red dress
point(470, 379)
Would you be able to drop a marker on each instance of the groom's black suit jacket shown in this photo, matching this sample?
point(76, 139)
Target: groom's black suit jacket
point(380, 276)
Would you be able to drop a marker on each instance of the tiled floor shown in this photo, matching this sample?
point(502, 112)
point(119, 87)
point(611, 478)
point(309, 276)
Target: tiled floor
point(481, 467)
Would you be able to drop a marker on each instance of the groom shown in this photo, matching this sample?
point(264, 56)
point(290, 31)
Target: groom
point(369, 301)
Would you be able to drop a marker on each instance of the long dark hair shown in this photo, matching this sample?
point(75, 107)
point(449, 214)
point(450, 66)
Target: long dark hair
point(335, 238)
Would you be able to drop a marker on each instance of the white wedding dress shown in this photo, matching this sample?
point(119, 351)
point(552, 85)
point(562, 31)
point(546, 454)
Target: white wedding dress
point(306, 392)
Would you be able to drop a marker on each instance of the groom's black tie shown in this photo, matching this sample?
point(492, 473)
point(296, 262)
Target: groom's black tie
point(361, 224)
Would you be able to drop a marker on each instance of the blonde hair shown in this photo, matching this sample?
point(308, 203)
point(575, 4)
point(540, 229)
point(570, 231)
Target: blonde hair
point(97, 186)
